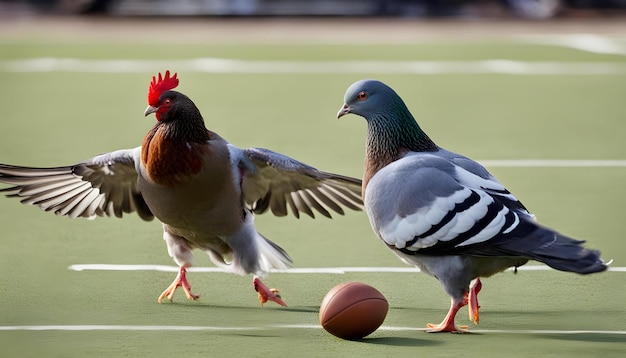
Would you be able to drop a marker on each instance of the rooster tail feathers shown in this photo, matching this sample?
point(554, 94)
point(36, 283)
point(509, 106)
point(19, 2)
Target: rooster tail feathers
point(251, 253)
point(272, 256)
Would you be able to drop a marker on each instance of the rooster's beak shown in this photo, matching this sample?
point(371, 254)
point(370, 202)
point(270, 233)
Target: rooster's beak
point(343, 111)
point(150, 110)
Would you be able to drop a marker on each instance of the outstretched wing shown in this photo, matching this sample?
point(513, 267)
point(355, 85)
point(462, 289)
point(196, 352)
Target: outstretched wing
point(105, 185)
point(274, 181)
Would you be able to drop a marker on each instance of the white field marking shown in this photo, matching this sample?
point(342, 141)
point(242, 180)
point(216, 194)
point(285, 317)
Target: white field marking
point(310, 270)
point(561, 163)
point(221, 65)
point(278, 326)
point(581, 42)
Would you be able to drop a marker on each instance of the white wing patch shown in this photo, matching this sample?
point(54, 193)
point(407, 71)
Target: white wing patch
point(474, 181)
point(402, 230)
point(445, 220)
point(469, 209)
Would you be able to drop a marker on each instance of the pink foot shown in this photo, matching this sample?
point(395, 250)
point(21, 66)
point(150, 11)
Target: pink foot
point(447, 325)
point(180, 280)
point(265, 293)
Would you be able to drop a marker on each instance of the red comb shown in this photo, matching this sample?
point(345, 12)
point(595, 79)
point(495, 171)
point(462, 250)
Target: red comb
point(160, 85)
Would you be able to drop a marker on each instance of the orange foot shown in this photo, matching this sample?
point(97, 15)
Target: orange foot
point(447, 325)
point(180, 280)
point(472, 301)
point(267, 294)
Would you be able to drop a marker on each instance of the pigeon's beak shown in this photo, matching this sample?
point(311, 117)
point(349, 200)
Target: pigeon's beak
point(343, 111)
point(150, 110)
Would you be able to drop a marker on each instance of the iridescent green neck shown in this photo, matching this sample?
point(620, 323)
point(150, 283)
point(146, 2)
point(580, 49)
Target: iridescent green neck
point(391, 134)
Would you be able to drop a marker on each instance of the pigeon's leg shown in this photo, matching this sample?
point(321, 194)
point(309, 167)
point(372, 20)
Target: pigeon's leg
point(265, 293)
point(472, 300)
point(447, 325)
point(180, 280)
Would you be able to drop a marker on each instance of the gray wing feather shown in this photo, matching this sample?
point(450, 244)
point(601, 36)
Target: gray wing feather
point(105, 185)
point(275, 181)
point(445, 208)
point(477, 169)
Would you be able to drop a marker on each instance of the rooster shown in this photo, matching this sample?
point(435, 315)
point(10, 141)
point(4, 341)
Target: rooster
point(204, 190)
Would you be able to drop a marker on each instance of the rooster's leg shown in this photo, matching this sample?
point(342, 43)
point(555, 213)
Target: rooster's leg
point(180, 280)
point(447, 325)
point(472, 300)
point(265, 293)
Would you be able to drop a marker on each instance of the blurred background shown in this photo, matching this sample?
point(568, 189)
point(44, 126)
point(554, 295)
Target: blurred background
point(505, 82)
point(529, 9)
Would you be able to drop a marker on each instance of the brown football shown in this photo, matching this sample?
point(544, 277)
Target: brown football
point(352, 310)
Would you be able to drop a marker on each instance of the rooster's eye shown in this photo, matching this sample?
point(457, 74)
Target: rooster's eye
point(167, 101)
point(362, 95)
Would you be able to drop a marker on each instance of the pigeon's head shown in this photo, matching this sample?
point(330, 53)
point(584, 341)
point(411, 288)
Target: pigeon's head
point(368, 99)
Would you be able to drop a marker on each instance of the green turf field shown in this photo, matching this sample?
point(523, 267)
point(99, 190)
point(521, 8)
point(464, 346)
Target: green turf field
point(58, 117)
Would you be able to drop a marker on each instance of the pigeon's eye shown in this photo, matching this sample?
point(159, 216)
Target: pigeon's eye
point(362, 95)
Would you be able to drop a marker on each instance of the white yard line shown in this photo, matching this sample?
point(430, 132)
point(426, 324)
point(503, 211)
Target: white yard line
point(222, 65)
point(591, 43)
point(552, 163)
point(304, 270)
point(263, 328)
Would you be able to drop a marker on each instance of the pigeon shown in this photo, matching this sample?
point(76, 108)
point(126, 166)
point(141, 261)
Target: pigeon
point(444, 213)
point(204, 190)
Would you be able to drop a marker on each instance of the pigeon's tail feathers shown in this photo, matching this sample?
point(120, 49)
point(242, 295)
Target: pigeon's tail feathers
point(556, 250)
point(569, 255)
